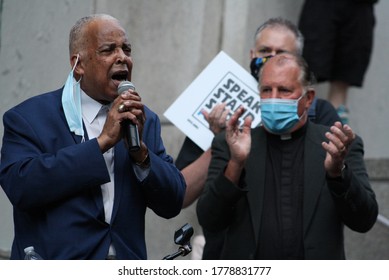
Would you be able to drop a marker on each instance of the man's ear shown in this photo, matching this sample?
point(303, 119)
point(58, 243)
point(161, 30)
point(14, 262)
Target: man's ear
point(310, 96)
point(78, 70)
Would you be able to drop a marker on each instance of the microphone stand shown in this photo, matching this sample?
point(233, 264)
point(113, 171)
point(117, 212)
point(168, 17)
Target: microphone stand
point(182, 237)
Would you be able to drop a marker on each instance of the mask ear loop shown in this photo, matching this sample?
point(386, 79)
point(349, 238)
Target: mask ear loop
point(73, 103)
point(305, 111)
point(77, 85)
point(74, 67)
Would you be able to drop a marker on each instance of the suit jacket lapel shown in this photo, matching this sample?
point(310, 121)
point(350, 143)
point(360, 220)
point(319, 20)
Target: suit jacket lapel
point(256, 179)
point(314, 177)
point(96, 191)
point(120, 156)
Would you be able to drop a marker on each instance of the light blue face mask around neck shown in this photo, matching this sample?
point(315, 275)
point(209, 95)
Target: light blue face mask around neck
point(71, 103)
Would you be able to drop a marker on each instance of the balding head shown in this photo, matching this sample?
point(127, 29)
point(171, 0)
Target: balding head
point(306, 77)
point(77, 36)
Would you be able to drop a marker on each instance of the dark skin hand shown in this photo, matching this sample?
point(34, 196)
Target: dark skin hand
point(131, 108)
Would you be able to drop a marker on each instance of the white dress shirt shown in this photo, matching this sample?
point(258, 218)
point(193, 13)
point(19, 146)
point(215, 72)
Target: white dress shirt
point(94, 115)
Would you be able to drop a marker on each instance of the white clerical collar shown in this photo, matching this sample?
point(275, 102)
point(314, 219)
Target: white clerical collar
point(286, 136)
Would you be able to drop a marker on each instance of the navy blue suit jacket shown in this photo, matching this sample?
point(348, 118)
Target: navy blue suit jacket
point(53, 182)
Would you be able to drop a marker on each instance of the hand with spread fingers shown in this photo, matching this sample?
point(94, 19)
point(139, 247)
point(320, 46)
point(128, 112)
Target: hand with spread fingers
point(340, 138)
point(239, 140)
point(217, 118)
point(239, 143)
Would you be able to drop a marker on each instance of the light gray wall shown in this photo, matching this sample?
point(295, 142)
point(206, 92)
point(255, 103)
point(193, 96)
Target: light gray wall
point(173, 40)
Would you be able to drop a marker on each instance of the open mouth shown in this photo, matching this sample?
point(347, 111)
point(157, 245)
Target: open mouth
point(120, 76)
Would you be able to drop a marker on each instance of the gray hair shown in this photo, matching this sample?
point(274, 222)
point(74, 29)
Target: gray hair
point(77, 31)
point(286, 24)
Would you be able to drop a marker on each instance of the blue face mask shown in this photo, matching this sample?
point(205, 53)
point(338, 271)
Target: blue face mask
point(279, 116)
point(71, 103)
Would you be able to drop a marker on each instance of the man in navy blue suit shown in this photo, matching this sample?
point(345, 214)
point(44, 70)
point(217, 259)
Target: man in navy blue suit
point(77, 191)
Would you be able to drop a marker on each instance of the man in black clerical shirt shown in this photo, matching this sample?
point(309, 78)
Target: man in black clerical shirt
point(286, 189)
point(276, 35)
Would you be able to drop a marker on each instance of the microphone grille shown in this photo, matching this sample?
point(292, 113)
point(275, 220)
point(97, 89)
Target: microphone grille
point(125, 85)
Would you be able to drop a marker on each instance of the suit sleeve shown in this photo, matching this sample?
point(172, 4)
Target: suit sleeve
point(353, 195)
point(164, 187)
point(216, 205)
point(32, 175)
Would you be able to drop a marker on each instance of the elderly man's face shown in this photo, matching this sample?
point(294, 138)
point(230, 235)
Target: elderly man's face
point(106, 60)
point(281, 79)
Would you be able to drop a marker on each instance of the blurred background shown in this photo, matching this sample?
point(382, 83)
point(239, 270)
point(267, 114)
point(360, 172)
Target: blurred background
point(172, 41)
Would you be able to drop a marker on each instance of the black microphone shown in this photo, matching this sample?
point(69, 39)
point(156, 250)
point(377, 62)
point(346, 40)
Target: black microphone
point(130, 130)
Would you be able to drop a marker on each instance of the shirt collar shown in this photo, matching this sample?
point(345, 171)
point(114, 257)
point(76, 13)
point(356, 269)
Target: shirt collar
point(90, 107)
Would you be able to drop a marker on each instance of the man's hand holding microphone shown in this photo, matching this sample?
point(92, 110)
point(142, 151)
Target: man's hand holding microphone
point(125, 121)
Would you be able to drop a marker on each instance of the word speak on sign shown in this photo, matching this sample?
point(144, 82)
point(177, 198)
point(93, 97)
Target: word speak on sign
point(222, 81)
point(235, 93)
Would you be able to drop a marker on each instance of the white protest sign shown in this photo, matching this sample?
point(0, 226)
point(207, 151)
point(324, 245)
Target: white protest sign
point(223, 80)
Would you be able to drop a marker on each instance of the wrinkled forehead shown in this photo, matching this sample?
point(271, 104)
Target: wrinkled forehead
point(105, 27)
point(281, 61)
point(282, 65)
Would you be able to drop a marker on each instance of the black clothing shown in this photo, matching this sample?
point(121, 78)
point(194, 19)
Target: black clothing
point(338, 38)
point(281, 231)
point(321, 111)
point(328, 204)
